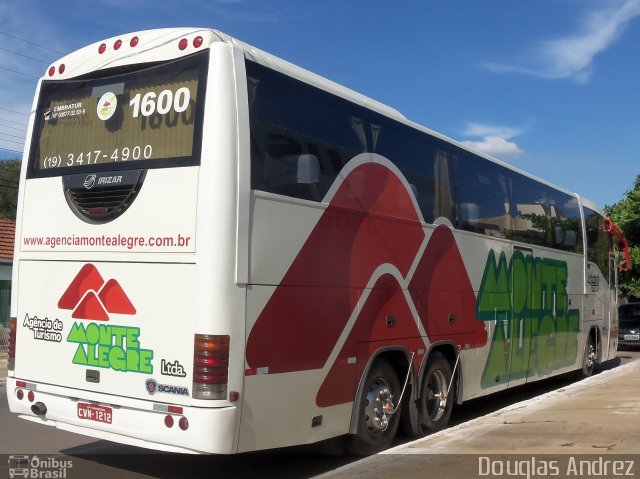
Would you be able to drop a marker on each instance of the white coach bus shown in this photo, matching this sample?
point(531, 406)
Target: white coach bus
point(218, 251)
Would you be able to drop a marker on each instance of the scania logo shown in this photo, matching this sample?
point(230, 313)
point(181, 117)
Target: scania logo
point(151, 385)
point(89, 181)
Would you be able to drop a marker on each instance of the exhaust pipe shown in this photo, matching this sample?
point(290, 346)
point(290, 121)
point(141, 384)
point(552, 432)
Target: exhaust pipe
point(39, 409)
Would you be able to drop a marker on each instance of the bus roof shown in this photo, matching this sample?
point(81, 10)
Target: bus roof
point(163, 45)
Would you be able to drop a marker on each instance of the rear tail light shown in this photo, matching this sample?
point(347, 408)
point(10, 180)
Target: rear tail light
point(11, 363)
point(210, 366)
point(183, 423)
point(168, 421)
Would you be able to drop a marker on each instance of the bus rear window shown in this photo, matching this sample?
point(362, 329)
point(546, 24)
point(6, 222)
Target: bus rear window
point(147, 118)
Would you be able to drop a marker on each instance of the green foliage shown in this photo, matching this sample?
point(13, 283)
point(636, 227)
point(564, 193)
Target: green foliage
point(9, 180)
point(626, 214)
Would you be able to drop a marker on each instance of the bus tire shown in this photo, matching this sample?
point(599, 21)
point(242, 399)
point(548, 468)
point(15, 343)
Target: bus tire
point(379, 415)
point(589, 357)
point(434, 404)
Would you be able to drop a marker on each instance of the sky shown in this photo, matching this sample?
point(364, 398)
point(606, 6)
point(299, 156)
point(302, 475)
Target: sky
point(549, 86)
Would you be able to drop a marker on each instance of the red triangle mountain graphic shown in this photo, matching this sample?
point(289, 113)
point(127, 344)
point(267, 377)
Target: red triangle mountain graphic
point(115, 299)
point(91, 298)
point(87, 279)
point(90, 308)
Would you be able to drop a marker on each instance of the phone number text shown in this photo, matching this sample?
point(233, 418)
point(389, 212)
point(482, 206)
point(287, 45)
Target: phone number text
point(93, 157)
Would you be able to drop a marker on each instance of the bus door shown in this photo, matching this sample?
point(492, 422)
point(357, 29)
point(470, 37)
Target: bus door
point(610, 332)
point(522, 301)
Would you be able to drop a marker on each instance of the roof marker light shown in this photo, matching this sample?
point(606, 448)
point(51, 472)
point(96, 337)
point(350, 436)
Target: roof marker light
point(134, 41)
point(117, 44)
point(197, 42)
point(183, 44)
point(52, 70)
point(102, 48)
point(61, 68)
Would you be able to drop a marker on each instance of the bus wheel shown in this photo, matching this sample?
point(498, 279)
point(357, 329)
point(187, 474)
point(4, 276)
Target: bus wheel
point(589, 358)
point(434, 404)
point(378, 419)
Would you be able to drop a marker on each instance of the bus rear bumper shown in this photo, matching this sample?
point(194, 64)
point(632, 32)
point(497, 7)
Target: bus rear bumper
point(137, 423)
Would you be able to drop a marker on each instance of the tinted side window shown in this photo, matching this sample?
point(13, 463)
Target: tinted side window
point(565, 222)
point(544, 216)
point(302, 136)
point(482, 190)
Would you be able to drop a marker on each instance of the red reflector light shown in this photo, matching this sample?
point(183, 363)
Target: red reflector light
point(102, 48)
point(168, 421)
point(234, 396)
point(117, 44)
point(12, 342)
point(197, 42)
point(183, 44)
point(210, 377)
point(134, 41)
point(61, 69)
point(211, 360)
point(52, 70)
point(183, 423)
point(21, 384)
point(174, 409)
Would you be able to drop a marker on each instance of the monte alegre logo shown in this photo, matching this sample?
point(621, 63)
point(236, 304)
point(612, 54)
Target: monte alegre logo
point(108, 345)
point(89, 296)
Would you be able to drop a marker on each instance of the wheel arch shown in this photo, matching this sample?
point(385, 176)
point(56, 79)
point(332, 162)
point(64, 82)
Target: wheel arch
point(450, 351)
point(400, 360)
point(596, 335)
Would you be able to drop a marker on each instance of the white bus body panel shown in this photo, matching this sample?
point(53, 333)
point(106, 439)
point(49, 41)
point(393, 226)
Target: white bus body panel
point(175, 288)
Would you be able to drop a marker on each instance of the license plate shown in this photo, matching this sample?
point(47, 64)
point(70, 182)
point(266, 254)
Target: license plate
point(94, 412)
point(632, 337)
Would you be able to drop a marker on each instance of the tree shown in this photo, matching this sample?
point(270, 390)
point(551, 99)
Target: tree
point(626, 214)
point(9, 180)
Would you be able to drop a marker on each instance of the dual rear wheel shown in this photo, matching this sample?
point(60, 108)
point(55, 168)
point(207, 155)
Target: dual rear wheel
point(379, 408)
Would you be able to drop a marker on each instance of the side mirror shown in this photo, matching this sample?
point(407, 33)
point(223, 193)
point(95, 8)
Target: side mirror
point(611, 228)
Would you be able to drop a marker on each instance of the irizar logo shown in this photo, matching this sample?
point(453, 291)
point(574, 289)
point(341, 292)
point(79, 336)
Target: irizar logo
point(90, 297)
point(108, 180)
point(89, 181)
